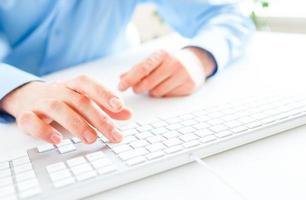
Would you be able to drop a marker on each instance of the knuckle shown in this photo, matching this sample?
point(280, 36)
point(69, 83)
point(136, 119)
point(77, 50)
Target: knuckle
point(24, 118)
point(54, 104)
point(83, 78)
point(103, 120)
point(143, 69)
point(82, 101)
point(146, 83)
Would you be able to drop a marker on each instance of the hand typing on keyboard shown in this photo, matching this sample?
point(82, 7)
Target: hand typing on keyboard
point(166, 75)
point(79, 105)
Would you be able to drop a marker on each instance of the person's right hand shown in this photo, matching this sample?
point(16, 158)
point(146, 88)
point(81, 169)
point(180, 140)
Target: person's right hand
point(80, 105)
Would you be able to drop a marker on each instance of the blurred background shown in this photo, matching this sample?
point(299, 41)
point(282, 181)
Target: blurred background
point(269, 15)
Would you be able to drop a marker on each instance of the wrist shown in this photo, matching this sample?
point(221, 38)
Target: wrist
point(207, 61)
point(193, 66)
point(12, 102)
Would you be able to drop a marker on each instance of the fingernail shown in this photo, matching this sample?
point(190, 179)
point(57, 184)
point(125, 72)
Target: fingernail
point(89, 137)
point(117, 136)
point(56, 138)
point(116, 103)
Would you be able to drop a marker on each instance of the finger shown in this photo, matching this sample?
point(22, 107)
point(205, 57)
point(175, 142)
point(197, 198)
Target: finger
point(99, 94)
point(94, 115)
point(167, 85)
point(155, 78)
point(141, 70)
point(32, 124)
point(182, 90)
point(124, 114)
point(68, 118)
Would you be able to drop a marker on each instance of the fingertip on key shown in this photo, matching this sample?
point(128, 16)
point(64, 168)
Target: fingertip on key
point(117, 136)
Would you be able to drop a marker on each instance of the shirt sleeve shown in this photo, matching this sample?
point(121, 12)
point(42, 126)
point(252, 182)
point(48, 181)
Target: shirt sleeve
point(10, 79)
point(218, 28)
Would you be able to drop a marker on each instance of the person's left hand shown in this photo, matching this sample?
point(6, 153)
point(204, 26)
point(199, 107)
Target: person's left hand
point(163, 75)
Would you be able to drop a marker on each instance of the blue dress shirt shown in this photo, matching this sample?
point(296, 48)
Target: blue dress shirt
point(43, 36)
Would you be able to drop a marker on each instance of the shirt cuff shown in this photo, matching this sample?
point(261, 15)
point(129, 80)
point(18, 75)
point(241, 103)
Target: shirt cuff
point(10, 79)
point(214, 42)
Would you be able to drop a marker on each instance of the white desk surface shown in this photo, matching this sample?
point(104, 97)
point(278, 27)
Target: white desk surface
point(272, 168)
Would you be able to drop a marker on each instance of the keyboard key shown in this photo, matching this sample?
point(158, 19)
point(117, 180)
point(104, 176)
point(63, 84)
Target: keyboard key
point(186, 130)
point(203, 132)
point(171, 134)
point(95, 155)
point(215, 122)
point(101, 163)
point(174, 149)
point(4, 165)
point(144, 135)
point(172, 142)
point(130, 132)
point(159, 131)
point(145, 127)
point(85, 176)
point(201, 125)
point(133, 153)
point(63, 143)
point(30, 192)
point(63, 182)
point(107, 169)
point(55, 176)
point(155, 147)
point(255, 124)
point(129, 139)
point(174, 126)
point(159, 124)
point(22, 168)
point(155, 155)
point(136, 160)
point(173, 120)
point(21, 161)
point(25, 175)
point(66, 148)
point(239, 129)
point(121, 148)
point(186, 116)
point(155, 139)
point(202, 118)
point(138, 143)
point(56, 167)
point(131, 125)
point(81, 169)
point(190, 144)
point(188, 137)
point(76, 161)
point(45, 147)
point(76, 140)
point(223, 134)
point(10, 197)
point(189, 122)
point(208, 138)
point(24, 185)
point(246, 120)
point(233, 123)
point(218, 128)
point(6, 181)
point(5, 173)
point(7, 190)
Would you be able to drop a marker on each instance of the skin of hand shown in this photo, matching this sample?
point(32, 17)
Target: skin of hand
point(80, 105)
point(163, 75)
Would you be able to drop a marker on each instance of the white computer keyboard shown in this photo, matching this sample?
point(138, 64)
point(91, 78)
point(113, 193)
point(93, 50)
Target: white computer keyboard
point(73, 170)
